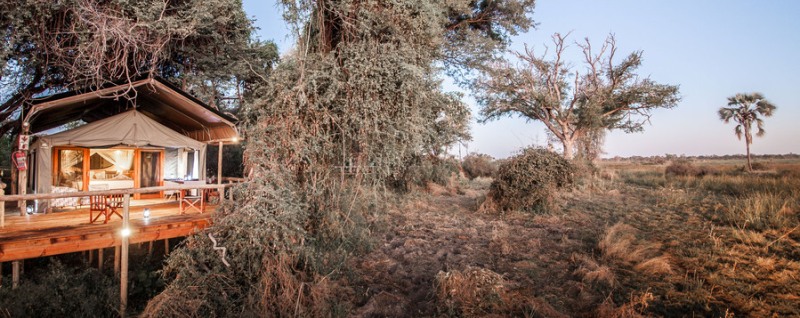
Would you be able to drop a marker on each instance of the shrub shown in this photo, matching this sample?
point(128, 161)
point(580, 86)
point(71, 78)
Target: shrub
point(478, 165)
point(59, 291)
point(471, 292)
point(527, 181)
point(681, 168)
point(422, 170)
point(759, 166)
point(686, 168)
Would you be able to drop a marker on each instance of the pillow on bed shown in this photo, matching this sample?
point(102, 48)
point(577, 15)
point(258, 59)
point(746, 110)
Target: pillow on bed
point(100, 175)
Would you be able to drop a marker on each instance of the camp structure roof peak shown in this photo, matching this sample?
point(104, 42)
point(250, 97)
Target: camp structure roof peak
point(154, 97)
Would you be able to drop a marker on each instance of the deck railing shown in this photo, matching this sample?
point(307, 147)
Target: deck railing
point(124, 246)
point(125, 192)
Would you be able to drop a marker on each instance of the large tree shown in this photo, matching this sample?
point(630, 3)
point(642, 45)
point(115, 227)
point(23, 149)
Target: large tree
point(745, 109)
point(577, 105)
point(362, 92)
point(53, 46)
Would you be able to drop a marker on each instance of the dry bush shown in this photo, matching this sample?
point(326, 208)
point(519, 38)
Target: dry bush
point(527, 181)
point(473, 291)
point(593, 273)
point(620, 243)
point(685, 168)
point(286, 291)
point(500, 237)
point(634, 308)
point(489, 204)
point(478, 165)
point(422, 171)
point(660, 265)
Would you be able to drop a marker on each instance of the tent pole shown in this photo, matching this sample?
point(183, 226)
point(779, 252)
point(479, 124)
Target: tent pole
point(219, 163)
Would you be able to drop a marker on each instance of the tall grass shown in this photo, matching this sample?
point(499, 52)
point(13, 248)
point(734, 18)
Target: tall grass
point(762, 210)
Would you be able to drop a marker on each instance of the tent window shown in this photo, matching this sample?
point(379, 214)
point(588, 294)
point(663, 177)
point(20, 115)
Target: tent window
point(111, 164)
point(70, 168)
point(190, 165)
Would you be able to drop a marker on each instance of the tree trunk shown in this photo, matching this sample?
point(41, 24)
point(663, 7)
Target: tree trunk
point(569, 148)
point(748, 139)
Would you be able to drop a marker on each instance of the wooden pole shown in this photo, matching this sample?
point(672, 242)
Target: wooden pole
point(14, 274)
point(100, 259)
point(123, 285)
point(116, 259)
point(23, 189)
point(219, 165)
point(91, 256)
point(1, 274)
point(149, 248)
point(166, 247)
point(2, 205)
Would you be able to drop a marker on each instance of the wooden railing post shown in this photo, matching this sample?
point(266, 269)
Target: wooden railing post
point(123, 285)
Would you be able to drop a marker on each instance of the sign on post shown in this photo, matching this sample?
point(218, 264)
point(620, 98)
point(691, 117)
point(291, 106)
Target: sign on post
point(24, 142)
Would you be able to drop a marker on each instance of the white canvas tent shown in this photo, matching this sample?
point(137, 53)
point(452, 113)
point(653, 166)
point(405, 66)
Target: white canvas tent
point(130, 128)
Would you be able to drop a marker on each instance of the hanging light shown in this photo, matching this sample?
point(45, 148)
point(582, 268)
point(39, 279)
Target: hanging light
point(125, 232)
point(146, 213)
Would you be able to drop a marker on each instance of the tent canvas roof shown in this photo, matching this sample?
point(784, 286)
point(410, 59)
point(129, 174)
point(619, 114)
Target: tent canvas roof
point(153, 97)
point(130, 128)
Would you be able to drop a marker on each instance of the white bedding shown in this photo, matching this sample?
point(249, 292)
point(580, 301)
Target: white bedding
point(114, 183)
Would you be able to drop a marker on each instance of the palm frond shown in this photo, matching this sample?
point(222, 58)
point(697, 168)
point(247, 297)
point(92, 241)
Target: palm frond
point(765, 108)
point(738, 131)
point(760, 125)
point(725, 114)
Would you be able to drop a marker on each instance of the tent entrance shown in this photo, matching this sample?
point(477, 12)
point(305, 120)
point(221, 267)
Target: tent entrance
point(150, 171)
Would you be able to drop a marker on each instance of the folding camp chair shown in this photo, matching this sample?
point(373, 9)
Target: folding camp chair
point(114, 202)
point(192, 198)
point(97, 203)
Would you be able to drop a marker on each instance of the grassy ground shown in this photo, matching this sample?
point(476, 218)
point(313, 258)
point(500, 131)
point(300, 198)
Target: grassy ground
point(628, 242)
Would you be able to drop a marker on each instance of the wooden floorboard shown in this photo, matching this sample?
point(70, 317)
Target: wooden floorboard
point(70, 231)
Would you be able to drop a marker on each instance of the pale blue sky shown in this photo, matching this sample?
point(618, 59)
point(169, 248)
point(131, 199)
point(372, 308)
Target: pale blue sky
point(712, 49)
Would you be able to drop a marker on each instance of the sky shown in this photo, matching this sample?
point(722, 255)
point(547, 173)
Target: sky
point(712, 49)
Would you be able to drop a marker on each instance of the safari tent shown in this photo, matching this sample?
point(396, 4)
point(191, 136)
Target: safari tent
point(134, 136)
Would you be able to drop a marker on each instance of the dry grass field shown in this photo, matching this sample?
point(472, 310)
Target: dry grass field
point(630, 241)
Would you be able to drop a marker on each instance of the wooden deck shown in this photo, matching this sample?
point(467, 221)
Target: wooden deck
point(56, 233)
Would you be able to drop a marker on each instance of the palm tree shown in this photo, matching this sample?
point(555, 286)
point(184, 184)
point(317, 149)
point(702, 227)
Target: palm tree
point(746, 109)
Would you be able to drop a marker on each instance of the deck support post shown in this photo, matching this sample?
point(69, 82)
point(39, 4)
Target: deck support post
point(14, 274)
point(166, 247)
point(116, 259)
point(149, 248)
point(2, 205)
point(123, 282)
point(91, 256)
point(100, 259)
